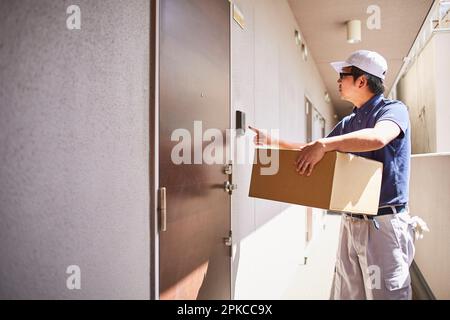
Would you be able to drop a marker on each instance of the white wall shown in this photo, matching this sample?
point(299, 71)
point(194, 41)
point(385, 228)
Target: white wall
point(425, 90)
point(442, 54)
point(417, 89)
point(74, 149)
point(432, 252)
point(270, 81)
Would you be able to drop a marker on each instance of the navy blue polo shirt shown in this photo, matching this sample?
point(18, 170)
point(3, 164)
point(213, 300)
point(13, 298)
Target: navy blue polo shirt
point(396, 155)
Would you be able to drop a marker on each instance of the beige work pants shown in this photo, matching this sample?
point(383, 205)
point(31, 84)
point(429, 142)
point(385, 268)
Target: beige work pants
point(373, 258)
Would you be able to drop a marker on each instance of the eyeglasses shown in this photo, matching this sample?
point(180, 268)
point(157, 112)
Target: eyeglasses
point(344, 74)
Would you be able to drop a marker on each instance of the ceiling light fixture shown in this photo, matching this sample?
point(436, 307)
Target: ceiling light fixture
point(298, 38)
point(304, 52)
point(354, 31)
point(327, 97)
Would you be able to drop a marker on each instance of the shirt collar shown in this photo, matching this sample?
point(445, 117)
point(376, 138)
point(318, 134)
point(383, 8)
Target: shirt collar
point(371, 102)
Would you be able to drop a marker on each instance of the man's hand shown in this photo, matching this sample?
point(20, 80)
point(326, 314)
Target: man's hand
point(309, 156)
point(261, 137)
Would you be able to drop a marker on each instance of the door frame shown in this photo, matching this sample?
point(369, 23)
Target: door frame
point(154, 149)
point(231, 147)
point(309, 108)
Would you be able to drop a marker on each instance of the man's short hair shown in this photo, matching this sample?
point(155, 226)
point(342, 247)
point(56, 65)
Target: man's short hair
point(375, 84)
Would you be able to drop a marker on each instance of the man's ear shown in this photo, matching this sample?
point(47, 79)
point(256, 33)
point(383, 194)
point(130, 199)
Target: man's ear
point(362, 82)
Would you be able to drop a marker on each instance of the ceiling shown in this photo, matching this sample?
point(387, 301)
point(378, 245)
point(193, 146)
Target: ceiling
point(322, 25)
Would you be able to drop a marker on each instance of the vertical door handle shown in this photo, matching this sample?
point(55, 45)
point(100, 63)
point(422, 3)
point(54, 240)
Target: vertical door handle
point(162, 209)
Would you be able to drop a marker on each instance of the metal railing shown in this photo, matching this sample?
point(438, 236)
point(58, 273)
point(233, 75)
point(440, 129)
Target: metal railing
point(436, 21)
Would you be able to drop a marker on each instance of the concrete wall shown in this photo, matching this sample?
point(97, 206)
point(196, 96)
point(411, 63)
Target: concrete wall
point(432, 252)
point(74, 149)
point(270, 82)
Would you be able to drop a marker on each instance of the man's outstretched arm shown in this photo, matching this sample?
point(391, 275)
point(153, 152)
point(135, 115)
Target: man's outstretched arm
point(363, 140)
point(358, 141)
point(262, 139)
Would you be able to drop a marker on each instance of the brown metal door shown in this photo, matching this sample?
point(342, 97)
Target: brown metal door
point(194, 90)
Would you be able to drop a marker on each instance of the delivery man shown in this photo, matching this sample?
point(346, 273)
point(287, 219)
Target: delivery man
point(374, 253)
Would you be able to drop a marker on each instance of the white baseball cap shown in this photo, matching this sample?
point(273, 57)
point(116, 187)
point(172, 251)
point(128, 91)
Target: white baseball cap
point(368, 61)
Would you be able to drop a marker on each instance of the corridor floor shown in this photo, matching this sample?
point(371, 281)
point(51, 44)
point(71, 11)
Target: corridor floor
point(313, 280)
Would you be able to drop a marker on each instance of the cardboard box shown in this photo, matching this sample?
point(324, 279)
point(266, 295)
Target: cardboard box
point(339, 182)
